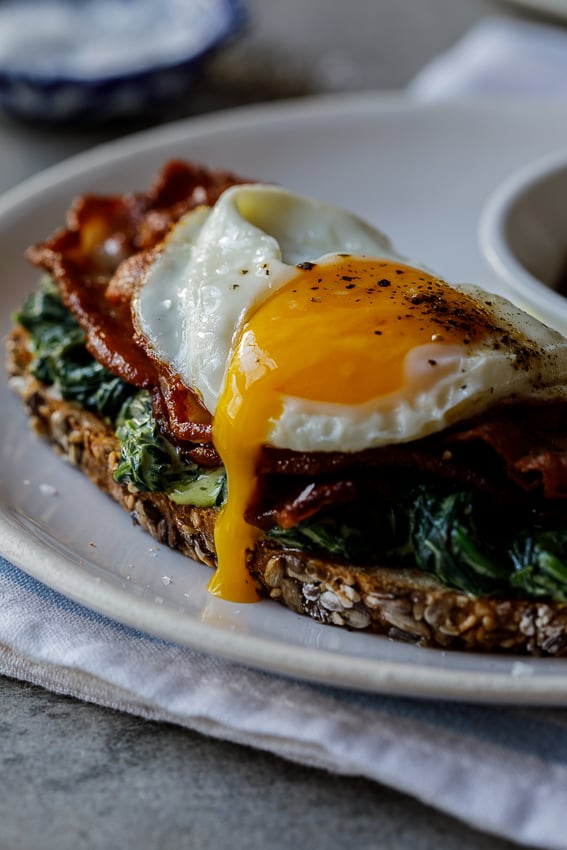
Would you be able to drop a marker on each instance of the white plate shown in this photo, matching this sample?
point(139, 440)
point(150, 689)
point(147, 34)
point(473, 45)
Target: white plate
point(419, 172)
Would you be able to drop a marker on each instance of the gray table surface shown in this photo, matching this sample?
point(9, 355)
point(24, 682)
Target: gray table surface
point(83, 777)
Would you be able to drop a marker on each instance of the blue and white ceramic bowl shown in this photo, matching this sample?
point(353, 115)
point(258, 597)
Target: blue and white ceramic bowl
point(65, 60)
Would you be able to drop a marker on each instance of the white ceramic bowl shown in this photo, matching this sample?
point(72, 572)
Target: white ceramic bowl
point(523, 234)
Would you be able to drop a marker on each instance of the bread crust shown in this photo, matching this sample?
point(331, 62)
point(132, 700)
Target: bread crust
point(401, 603)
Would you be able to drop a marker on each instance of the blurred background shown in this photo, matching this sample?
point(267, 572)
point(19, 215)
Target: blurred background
point(62, 63)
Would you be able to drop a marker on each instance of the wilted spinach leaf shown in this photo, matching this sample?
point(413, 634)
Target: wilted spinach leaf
point(152, 464)
point(61, 358)
point(540, 564)
point(448, 542)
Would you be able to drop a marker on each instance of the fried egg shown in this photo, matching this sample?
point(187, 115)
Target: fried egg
point(302, 328)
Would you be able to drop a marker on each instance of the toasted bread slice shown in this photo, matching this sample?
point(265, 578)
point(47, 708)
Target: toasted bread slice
point(401, 603)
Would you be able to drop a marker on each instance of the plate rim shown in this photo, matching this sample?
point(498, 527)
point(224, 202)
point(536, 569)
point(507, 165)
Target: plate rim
point(272, 656)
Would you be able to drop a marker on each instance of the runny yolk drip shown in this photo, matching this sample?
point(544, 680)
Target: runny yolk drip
point(337, 332)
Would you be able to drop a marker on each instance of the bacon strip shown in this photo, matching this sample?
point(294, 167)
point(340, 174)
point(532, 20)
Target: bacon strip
point(531, 441)
point(517, 456)
point(98, 260)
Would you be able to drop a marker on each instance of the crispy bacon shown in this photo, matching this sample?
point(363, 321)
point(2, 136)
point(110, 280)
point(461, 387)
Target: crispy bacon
point(98, 260)
point(180, 414)
point(517, 456)
point(531, 441)
point(286, 503)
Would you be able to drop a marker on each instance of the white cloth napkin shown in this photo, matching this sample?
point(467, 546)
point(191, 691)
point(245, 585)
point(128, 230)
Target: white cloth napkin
point(502, 770)
point(499, 57)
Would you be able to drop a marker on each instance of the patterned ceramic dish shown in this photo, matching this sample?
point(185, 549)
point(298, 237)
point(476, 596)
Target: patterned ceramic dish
point(66, 60)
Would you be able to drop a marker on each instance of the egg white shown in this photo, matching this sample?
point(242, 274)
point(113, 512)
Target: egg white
point(219, 264)
point(466, 381)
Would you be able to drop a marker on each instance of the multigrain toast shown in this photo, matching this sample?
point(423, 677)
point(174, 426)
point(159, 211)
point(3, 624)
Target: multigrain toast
point(400, 603)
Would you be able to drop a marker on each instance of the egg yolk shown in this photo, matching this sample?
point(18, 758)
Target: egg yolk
point(337, 332)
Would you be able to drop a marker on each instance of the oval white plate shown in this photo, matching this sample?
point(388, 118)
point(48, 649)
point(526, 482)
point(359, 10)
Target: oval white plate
point(419, 172)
